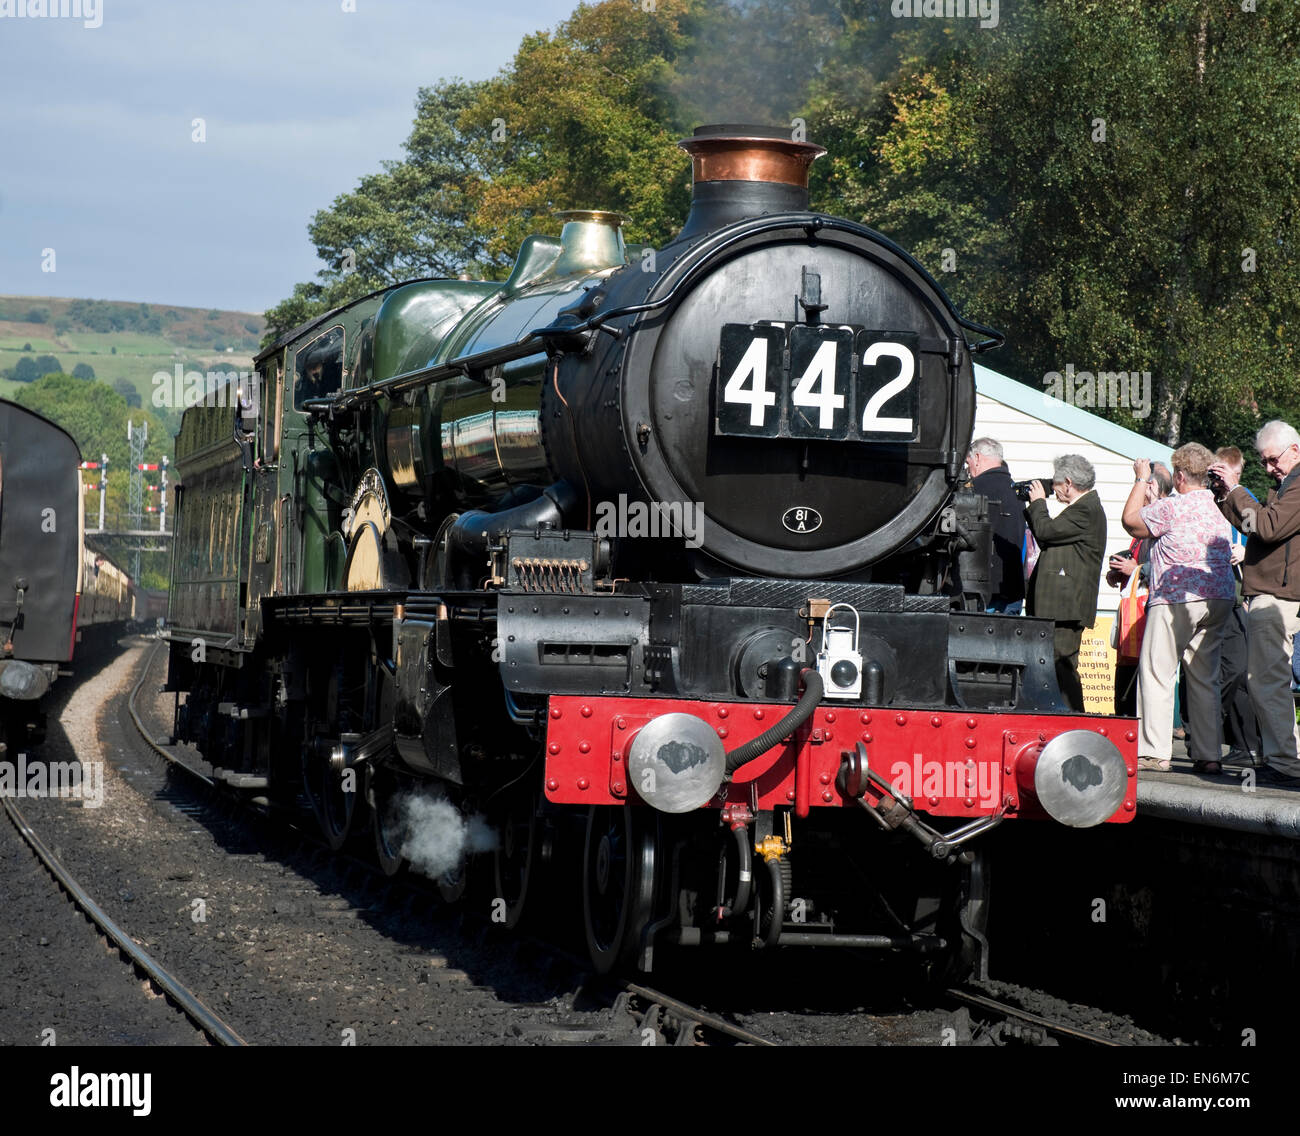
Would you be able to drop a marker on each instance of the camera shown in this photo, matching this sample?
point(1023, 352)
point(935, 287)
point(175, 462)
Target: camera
point(1215, 483)
point(1022, 487)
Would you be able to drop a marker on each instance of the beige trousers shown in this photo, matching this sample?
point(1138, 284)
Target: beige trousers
point(1271, 625)
point(1190, 633)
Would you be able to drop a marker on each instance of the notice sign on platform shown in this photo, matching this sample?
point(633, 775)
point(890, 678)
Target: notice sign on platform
point(1097, 667)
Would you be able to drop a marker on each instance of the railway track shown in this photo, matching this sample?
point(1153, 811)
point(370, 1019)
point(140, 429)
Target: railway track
point(1027, 1027)
point(178, 994)
point(659, 1017)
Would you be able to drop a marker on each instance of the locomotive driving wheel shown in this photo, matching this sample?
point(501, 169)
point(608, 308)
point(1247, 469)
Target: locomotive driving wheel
point(385, 823)
point(517, 856)
point(333, 787)
point(618, 876)
point(332, 790)
point(453, 884)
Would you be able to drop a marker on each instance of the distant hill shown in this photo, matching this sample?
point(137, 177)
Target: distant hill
point(124, 341)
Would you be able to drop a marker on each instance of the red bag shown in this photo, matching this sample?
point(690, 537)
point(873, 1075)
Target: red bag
point(1132, 621)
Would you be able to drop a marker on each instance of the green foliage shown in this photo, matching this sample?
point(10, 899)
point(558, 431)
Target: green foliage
point(94, 414)
point(102, 316)
point(586, 119)
point(1115, 244)
point(1110, 181)
point(582, 118)
point(1237, 426)
point(83, 371)
point(28, 370)
point(127, 390)
point(97, 315)
point(38, 315)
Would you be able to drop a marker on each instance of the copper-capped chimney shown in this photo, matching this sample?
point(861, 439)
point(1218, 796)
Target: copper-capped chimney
point(745, 171)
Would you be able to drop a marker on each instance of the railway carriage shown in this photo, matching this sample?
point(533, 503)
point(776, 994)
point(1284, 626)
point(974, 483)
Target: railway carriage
point(660, 553)
point(52, 585)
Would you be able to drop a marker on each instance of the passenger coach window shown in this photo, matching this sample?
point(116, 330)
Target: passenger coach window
point(319, 367)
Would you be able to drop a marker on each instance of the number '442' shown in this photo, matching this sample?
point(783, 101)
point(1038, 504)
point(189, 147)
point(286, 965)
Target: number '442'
point(818, 393)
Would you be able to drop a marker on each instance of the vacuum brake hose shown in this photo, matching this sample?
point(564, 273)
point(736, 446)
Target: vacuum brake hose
point(756, 747)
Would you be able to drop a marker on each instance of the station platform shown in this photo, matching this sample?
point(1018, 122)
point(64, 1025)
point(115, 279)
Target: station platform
point(1231, 799)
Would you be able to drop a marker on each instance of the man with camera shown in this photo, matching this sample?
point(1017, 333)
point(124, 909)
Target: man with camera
point(989, 476)
point(1270, 582)
point(1192, 593)
point(1064, 584)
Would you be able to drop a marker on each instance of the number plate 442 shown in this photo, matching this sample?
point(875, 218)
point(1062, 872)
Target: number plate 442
point(839, 384)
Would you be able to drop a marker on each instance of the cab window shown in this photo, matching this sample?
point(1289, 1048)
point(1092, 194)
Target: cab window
point(319, 368)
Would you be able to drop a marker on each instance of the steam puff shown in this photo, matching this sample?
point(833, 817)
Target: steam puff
point(436, 839)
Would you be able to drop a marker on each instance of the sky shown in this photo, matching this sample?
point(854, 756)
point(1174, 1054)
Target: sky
point(299, 99)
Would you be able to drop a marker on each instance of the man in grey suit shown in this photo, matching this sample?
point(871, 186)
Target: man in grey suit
point(1064, 585)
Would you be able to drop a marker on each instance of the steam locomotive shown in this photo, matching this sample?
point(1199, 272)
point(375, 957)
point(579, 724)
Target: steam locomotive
point(659, 555)
point(54, 587)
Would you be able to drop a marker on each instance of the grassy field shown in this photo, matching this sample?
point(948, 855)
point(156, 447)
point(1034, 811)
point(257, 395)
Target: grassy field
point(189, 336)
point(28, 345)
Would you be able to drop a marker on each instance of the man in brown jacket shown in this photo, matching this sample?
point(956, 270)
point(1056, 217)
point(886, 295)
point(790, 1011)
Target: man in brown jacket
point(1270, 579)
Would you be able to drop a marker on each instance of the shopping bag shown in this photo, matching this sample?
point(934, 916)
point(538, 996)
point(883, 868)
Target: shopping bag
point(1131, 620)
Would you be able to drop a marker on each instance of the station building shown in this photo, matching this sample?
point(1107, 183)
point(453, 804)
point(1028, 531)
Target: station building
point(1034, 428)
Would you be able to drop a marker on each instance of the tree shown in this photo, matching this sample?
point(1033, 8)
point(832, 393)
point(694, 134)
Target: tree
point(127, 390)
point(1107, 179)
point(583, 117)
point(83, 371)
point(94, 414)
point(588, 120)
point(28, 370)
point(25, 370)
